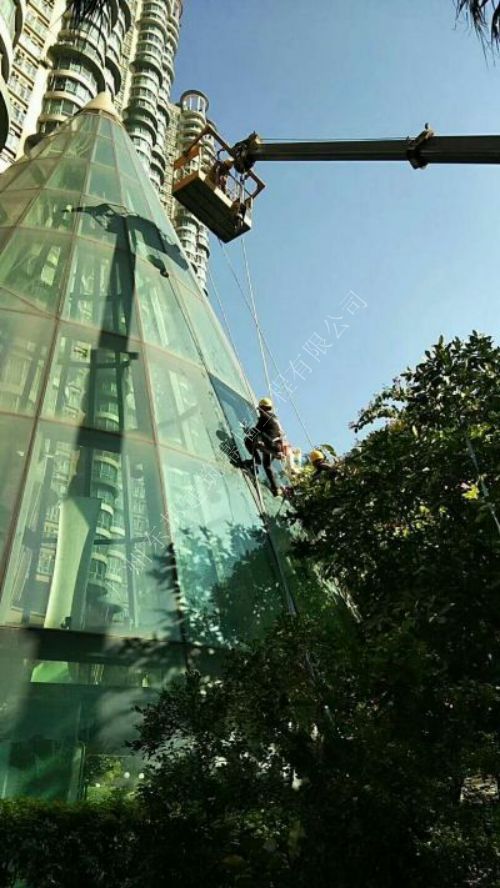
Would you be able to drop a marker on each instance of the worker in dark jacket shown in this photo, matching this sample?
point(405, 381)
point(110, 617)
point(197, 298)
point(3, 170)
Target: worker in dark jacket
point(265, 441)
point(320, 464)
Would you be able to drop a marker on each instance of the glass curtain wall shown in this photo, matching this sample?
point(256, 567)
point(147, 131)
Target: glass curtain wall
point(129, 539)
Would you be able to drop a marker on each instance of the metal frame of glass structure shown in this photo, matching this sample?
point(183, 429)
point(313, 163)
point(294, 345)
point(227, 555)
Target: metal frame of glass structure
point(129, 542)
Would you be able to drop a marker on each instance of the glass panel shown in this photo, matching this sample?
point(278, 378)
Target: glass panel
point(215, 348)
point(96, 382)
point(103, 182)
point(63, 737)
point(82, 123)
point(14, 437)
point(91, 551)
point(80, 145)
point(99, 291)
point(104, 153)
point(12, 205)
point(69, 175)
point(53, 145)
point(33, 264)
point(163, 323)
point(240, 415)
point(226, 570)
point(104, 127)
point(178, 266)
point(33, 175)
point(133, 196)
point(128, 162)
point(50, 210)
point(24, 343)
point(102, 222)
point(9, 174)
point(186, 409)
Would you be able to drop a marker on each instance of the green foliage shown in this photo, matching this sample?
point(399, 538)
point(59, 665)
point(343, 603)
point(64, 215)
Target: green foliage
point(44, 845)
point(336, 753)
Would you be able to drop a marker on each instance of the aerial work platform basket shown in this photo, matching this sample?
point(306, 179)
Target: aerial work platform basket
point(212, 190)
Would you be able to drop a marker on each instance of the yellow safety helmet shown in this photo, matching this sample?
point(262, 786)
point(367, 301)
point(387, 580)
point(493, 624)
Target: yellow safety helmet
point(316, 455)
point(266, 403)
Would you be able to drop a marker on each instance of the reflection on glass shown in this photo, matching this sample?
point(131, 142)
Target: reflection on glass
point(103, 183)
point(24, 342)
point(104, 153)
point(91, 551)
point(12, 205)
point(14, 435)
point(98, 382)
point(33, 264)
point(186, 410)
point(50, 210)
point(100, 291)
point(163, 323)
point(69, 175)
point(32, 175)
point(228, 581)
point(216, 351)
point(133, 196)
point(102, 222)
point(239, 413)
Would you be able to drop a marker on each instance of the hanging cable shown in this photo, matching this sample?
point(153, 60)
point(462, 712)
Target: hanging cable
point(264, 340)
point(230, 336)
point(256, 318)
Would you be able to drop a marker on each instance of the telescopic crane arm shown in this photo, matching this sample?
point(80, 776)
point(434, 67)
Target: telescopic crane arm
point(222, 197)
point(424, 149)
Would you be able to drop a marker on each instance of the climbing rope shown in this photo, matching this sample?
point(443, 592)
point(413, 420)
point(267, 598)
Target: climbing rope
point(230, 335)
point(256, 318)
point(263, 340)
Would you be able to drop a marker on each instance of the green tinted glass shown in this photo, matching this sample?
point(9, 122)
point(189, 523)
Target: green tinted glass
point(103, 182)
point(50, 210)
point(99, 288)
point(163, 323)
point(32, 175)
point(98, 381)
point(24, 345)
point(69, 175)
point(92, 551)
point(186, 409)
point(33, 265)
point(104, 153)
point(215, 348)
point(229, 585)
point(13, 204)
point(102, 222)
point(14, 435)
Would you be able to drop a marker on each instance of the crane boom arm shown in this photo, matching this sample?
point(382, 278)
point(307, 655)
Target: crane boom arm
point(426, 148)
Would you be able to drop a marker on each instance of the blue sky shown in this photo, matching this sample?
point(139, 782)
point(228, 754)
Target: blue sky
point(420, 248)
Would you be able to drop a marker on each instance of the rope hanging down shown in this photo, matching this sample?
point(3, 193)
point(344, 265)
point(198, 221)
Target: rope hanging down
point(229, 334)
point(256, 319)
point(263, 339)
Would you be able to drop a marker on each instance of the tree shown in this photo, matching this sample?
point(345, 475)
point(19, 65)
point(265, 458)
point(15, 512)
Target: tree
point(338, 751)
point(484, 15)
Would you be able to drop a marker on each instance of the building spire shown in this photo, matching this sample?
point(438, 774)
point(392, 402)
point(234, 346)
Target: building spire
point(102, 102)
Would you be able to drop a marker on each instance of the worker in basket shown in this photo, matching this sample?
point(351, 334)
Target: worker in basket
point(320, 464)
point(265, 441)
point(218, 174)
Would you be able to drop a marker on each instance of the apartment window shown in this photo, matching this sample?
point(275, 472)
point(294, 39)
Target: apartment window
point(34, 22)
point(23, 63)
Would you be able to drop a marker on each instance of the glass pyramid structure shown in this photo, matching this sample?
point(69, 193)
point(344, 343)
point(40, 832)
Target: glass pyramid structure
point(130, 542)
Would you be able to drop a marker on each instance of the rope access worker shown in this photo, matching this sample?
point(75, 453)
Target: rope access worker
point(320, 464)
point(265, 441)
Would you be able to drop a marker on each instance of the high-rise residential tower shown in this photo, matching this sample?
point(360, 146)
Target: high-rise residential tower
point(57, 67)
